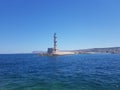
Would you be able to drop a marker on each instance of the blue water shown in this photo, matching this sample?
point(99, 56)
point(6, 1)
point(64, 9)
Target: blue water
point(72, 72)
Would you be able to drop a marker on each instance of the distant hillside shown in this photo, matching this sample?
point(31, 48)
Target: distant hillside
point(112, 50)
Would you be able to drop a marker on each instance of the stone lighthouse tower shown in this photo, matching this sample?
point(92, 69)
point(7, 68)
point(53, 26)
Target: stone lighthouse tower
point(54, 49)
point(55, 42)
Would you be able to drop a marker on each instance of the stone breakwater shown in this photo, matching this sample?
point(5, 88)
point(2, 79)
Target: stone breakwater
point(57, 53)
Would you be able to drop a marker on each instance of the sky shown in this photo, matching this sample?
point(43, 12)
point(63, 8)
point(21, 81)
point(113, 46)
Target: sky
point(29, 25)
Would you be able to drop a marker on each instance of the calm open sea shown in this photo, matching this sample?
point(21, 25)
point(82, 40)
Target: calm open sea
point(72, 72)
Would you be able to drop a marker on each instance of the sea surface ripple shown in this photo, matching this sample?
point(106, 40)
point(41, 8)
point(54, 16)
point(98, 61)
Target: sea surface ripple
point(71, 72)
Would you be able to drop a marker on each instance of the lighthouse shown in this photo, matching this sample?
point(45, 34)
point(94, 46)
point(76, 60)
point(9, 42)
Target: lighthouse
point(55, 42)
point(54, 49)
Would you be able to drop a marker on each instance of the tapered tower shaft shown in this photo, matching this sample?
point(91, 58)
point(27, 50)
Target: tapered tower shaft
point(55, 42)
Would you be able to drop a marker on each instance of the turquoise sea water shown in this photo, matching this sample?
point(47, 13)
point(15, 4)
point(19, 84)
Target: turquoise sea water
point(72, 72)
